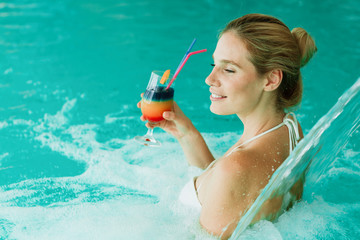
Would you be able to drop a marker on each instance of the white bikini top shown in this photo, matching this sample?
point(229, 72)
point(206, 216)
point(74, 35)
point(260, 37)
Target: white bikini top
point(189, 193)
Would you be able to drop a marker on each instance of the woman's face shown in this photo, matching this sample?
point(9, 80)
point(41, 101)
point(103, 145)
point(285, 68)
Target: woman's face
point(235, 86)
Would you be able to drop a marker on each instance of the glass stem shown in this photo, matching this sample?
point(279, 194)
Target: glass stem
point(150, 132)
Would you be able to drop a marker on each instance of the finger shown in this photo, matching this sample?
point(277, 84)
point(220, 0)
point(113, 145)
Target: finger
point(138, 104)
point(142, 118)
point(151, 125)
point(169, 115)
point(142, 94)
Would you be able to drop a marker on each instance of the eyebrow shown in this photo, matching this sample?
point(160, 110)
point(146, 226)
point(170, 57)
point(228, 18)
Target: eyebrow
point(231, 62)
point(228, 61)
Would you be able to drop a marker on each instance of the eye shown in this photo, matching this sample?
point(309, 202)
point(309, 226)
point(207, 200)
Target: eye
point(212, 64)
point(229, 70)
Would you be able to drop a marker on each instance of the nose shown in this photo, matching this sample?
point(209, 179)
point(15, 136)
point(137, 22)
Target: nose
point(212, 80)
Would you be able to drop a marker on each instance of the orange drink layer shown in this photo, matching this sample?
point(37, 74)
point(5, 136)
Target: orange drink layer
point(155, 102)
point(153, 110)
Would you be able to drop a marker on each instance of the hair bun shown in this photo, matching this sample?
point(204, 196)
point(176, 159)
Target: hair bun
point(306, 44)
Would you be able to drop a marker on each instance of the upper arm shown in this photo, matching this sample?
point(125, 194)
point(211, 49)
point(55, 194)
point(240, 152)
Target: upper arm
point(226, 198)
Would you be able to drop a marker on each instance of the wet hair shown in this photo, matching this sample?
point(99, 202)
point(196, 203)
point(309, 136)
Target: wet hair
point(272, 45)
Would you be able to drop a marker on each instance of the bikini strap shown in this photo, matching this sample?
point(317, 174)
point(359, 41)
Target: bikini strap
point(292, 125)
point(256, 137)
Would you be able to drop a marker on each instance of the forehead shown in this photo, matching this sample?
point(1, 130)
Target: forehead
point(232, 48)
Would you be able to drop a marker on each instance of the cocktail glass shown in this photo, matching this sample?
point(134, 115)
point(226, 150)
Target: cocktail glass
point(155, 101)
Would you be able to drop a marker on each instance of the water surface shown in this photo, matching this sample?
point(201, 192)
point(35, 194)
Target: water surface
point(71, 75)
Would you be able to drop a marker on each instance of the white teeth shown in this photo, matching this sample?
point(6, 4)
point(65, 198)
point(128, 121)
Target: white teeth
point(216, 96)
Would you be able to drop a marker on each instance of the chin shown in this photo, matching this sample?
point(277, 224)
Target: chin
point(218, 110)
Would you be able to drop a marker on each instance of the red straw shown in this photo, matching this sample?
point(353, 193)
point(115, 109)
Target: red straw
point(182, 65)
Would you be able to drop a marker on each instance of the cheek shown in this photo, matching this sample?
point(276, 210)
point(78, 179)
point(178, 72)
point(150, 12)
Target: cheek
point(238, 89)
point(245, 91)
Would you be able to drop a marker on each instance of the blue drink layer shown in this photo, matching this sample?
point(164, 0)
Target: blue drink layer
point(159, 94)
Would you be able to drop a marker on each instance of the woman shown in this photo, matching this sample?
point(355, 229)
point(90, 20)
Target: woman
point(256, 76)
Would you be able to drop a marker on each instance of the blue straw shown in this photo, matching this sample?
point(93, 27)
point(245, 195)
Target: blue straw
point(187, 52)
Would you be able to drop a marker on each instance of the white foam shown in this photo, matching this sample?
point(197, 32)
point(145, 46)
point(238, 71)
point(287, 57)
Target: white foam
point(2, 156)
point(7, 71)
point(127, 190)
point(3, 124)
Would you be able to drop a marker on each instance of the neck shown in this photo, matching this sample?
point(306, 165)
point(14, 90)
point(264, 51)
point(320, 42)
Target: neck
point(260, 120)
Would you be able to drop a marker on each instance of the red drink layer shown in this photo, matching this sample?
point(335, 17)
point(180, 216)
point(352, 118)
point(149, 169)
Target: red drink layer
point(155, 102)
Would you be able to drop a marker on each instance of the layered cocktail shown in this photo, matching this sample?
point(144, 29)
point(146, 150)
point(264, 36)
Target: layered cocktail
point(156, 100)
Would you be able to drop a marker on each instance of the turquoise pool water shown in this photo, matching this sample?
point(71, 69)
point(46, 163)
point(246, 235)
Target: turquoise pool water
point(71, 74)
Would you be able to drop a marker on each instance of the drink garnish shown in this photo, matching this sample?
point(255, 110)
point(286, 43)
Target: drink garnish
point(165, 76)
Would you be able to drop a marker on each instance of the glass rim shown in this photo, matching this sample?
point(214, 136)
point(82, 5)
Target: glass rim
point(155, 80)
point(160, 73)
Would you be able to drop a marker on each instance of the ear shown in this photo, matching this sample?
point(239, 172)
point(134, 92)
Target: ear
point(273, 80)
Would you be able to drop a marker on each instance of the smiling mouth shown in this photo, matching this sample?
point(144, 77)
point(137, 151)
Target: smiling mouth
point(214, 96)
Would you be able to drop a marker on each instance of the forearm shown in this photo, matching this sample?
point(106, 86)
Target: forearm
point(196, 150)
point(190, 139)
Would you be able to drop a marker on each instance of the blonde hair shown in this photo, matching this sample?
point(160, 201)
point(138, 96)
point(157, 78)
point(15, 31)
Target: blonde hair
point(272, 45)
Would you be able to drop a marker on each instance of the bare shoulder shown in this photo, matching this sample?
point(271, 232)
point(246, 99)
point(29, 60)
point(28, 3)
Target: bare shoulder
point(238, 162)
point(236, 169)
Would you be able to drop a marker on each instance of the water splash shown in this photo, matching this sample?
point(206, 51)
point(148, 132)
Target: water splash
point(315, 153)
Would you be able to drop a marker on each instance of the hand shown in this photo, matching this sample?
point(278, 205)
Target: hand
point(175, 122)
